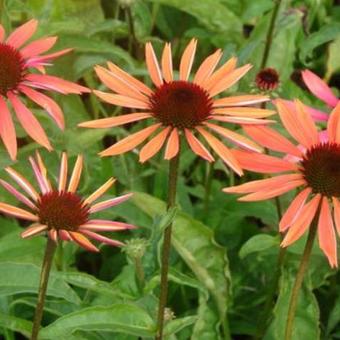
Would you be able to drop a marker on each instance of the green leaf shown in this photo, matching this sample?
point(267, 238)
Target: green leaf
point(258, 243)
point(24, 278)
point(333, 62)
point(174, 326)
point(120, 318)
point(15, 324)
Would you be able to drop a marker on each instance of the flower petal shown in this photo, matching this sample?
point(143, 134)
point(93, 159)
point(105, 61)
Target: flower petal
point(242, 120)
point(120, 100)
point(19, 36)
point(187, 60)
point(17, 212)
point(319, 88)
point(100, 191)
point(63, 172)
point(2, 33)
point(37, 47)
point(7, 131)
point(240, 100)
point(130, 142)
point(109, 203)
point(326, 233)
point(102, 239)
point(33, 230)
point(172, 147)
point(221, 150)
point(83, 241)
point(53, 235)
point(207, 67)
point(250, 112)
point(39, 177)
point(152, 65)
point(64, 235)
point(197, 147)
point(76, 174)
point(104, 123)
point(333, 126)
point(42, 60)
point(167, 63)
point(105, 225)
point(336, 205)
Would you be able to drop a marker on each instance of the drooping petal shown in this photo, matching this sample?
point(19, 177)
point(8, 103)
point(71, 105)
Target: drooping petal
point(229, 80)
point(102, 239)
point(207, 67)
point(294, 210)
point(251, 112)
point(18, 195)
point(63, 172)
point(167, 63)
point(152, 65)
point(17, 212)
point(336, 205)
point(109, 203)
point(319, 88)
point(37, 47)
point(75, 177)
point(7, 131)
point(33, 230)
point(100, 191)
point(197, 147)
point(130, 142)
point(242, 120)
point(326, 233)
point(187, 60)
point(240, 100)
point(29, 122)
point(262, 163)
point(271, 139)
point(104, 123)
point(221, 150)
point(19, 36)
point(51, 107)
point(154, 145)
point(42, 60)
point(23, 183)
point(333, 126)
point(53, 235)
point(105, 225)
point(120, 100)
point(303, 221)
point(64, 235)
point(172, 146)
point(82, 241)
point(2, 33)
point(235, 137)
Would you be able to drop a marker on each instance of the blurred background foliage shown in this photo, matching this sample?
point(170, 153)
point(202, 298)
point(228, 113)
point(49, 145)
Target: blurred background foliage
point(225, 251)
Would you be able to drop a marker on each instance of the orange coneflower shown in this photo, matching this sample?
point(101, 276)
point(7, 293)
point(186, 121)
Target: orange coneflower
point(59, 210)
point(315, 168)
point(16, 79)
point(180, 107)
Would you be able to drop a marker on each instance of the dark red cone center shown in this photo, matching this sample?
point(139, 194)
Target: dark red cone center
point(267, 79)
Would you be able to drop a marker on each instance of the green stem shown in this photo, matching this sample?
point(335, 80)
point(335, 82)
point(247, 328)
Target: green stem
point(172, 186)
point(299, 278)
point(207, 186)
point(45, 273)
point(270, 33)
point(133, 42)
point(139, 272)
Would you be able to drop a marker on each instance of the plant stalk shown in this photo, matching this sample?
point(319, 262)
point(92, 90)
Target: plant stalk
point(299, 279)
point(44, 276)
point(172, 186)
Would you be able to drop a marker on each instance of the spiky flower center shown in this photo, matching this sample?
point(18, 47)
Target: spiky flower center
point(62, 210)
point(11, 68)
point(321, 169)
point(267, 79)
point(181, 104)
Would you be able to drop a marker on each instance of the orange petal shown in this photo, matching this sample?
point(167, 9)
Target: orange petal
point(229, 80)
point(221, 150)
point(130, 142)
point(33, 230)
point(242, 120)
point(303, 222)
point(187, 60)
point(17, 212)
point(115, 121)
point(271, 139)
point(83, 241)
point(172, 146)
point(336, 205)
point(207, 67)
point(2, 33)
point(154, 145)
point(75, 177)
point(120, 100)
point(333, 126)
point(244, 112)
point(326, 233)
point(152, 65)
point(22, 33)
point(63, 172)
point(167, 63)
point(37, 47)
point(240, 100)
point(235, 137)
point(100, 191)
point(197, 147)
point(294, 210)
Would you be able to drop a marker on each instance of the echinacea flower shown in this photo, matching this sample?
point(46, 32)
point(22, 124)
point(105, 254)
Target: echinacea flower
point(267, 79)
point(58, 210)
point(180, 107)
point(316, 169)
point(17, 79)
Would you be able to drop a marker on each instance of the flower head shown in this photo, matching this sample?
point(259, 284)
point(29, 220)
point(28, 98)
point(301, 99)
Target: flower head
point(315, 168)
point(267, 79)
point(180, 107)
point(59, 210)
point(16, 80)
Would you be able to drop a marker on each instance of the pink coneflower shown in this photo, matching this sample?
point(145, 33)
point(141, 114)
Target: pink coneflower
point(267, 79)
point(16, 80)
point(180, 107)
point(59, 211)
point(316, 169)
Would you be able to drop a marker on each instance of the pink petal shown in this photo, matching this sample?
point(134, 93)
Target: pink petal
point(105, 225)
point(22, 33)
point(53, 235)
point(64, 235)
point(33, 230)
point(63, 172)
point(109, 203)
point(42, 60)
point(38, 47)
point(7, 131)
point(76, 174)
point(40, 178)
point(102, 239)
point(17, 212)
point(319, 88)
